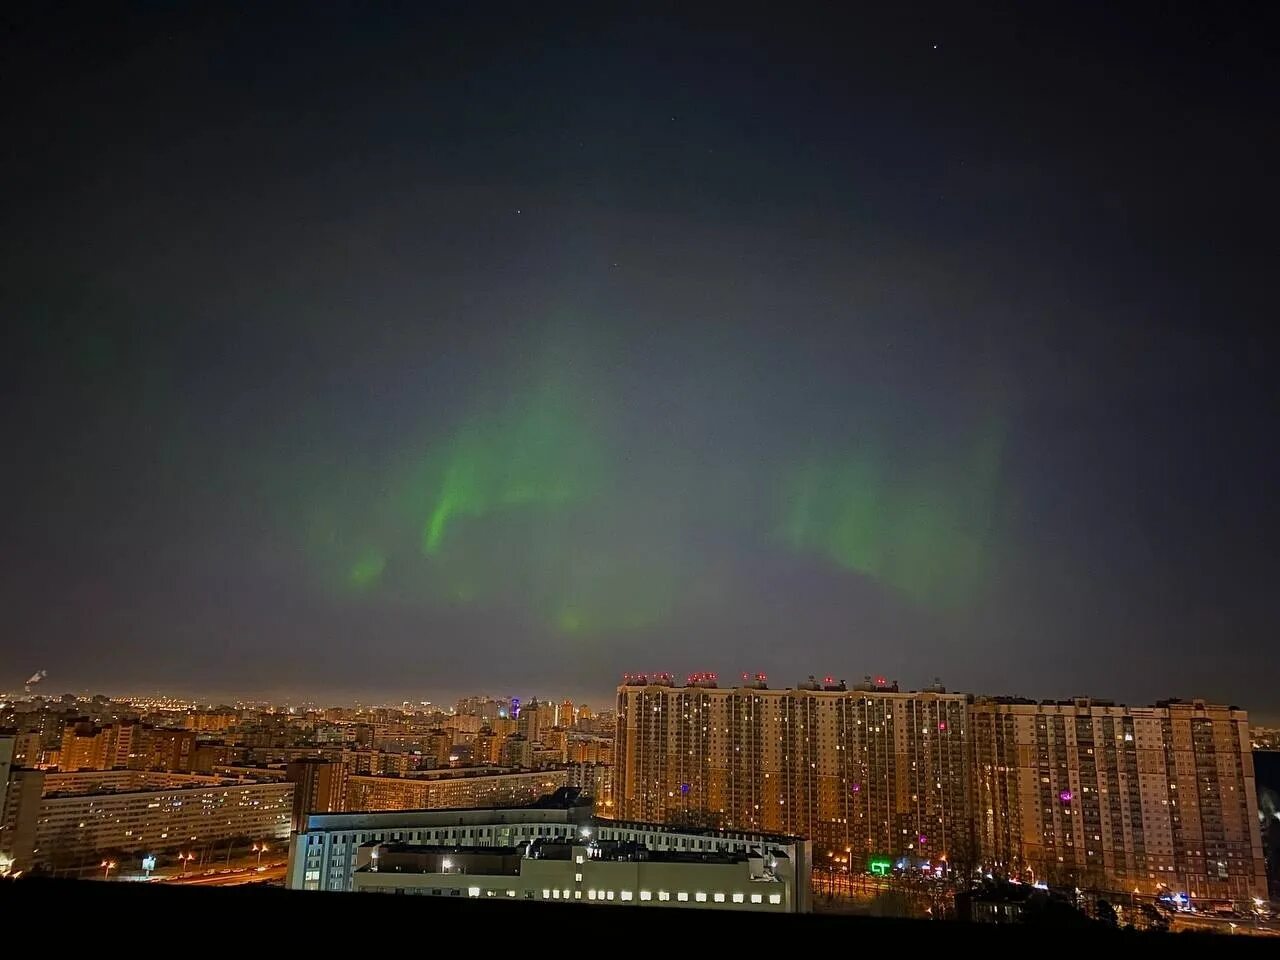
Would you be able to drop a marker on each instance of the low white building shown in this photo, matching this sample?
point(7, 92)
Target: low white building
point(606, 872)
point(526, 851)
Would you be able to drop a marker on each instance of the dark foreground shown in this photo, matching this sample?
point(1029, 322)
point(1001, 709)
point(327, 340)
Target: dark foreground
point(116, 915)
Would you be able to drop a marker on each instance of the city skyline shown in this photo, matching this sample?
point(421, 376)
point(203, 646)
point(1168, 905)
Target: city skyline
point(1169, 806)
point(447, 701)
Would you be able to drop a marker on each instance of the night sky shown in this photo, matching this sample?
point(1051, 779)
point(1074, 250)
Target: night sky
point(385, 350)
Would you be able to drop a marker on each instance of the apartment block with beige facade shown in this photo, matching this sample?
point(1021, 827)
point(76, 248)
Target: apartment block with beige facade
point(1131, 798)
point(434, 790)
point(1111, 797)
point(863, 772)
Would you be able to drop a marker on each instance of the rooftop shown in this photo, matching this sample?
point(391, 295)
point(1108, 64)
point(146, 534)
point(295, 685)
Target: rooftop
point(572, 802)
point(622, 851)
point(695, 831)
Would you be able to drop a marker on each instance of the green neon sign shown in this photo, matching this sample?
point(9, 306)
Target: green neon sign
point(880, 866)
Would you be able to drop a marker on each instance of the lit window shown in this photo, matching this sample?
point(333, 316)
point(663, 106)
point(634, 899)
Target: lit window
point(758, 898)
point(719, 898)
point(609, 895)
point(546, 894)
point(591, 894)
point(577, 894)
point(646, 894)
point(627, 895)
point(737, 897)
point(577, 878)
point(700, 897)
point(473, 891)
point(682, 897)
point(511, 893)
point(664, 896)
point(773, 898)
point(578, 859)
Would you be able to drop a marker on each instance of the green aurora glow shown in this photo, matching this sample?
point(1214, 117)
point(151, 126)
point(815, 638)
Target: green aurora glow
point(367, 568)
point(531, 507)
point(921, 530)
point(542, 454)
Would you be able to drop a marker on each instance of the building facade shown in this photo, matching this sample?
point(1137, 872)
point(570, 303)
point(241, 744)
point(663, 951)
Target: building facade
point(1151, 799)
point(867, 772)
point(125, 744)
point(333, 847)
point(605, 873)
point(319, 786)
point(1115, 797)
point(60, 820)
point(452, 788)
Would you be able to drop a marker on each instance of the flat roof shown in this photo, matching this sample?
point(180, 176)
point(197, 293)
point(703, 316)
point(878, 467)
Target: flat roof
point(561, 852)
point(747, 836)
point(103, 792)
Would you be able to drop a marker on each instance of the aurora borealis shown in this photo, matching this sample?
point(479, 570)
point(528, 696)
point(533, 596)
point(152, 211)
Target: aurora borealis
point(923, 534)
point(410, 354)
point(540, 457)
point(533, 494)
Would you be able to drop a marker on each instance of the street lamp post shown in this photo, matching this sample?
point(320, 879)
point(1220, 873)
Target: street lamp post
point(107, 867)
point(186, 859)
point(260, 849)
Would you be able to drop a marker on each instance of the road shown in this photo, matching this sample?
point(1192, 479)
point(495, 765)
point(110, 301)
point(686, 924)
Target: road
point(269, 873)
point(1205, 922)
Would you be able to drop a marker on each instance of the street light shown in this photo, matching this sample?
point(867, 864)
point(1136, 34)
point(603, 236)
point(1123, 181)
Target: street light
point(107, 866)
point(186, 858)
point(260, 849)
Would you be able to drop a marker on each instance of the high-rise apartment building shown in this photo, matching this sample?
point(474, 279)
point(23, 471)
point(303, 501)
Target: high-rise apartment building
point(1144, 798)
point(487, 747)
point(487, 708)
point(319, 786)
point(585, 748)
point(556, 742)
point(86, 746)
point(516, 751)
point(8, 747)
point(864, 772)
point(1086, 792)
point(162, 749)
point(28, 750)
point(125, 744)
point(536, 717)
